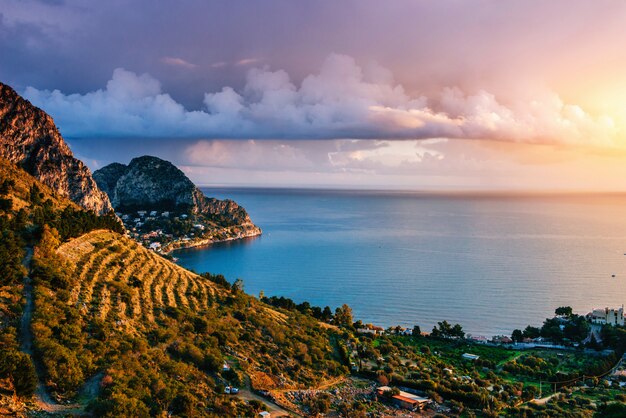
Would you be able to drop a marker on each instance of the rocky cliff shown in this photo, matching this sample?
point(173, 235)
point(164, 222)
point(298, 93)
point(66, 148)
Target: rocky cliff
point(150, 183)
point(30, 139)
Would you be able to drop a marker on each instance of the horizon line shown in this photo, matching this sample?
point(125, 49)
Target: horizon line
point(475, 192)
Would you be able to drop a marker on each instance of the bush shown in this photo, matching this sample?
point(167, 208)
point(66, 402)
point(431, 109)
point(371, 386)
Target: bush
point(19, 368)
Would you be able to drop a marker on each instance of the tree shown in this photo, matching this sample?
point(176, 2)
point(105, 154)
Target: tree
point(446, 330)
point(184, 405)
point(20, 370)
point(417, 331)
point(11, 255)
point(612, 410)
point(531, 332)
point(25, 377)
point(327, 314)
point(517, 335)
point(343, 316)
point(238, 286)
point(593, 343)
point(457, 331)
point(565, 311)
point(257, 406)
point(529, 393)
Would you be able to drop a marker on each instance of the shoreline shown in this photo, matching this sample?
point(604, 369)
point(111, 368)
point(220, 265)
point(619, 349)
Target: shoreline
point(250, 231)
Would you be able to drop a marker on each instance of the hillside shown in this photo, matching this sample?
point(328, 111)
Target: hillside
point(161, 206)
point(138, 333)
point(21, 186)
point(30, 139)
point(123, 307)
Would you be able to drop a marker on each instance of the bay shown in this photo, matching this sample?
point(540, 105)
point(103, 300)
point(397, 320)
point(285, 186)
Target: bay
point(490, 262)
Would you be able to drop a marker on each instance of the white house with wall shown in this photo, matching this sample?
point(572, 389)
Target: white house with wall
point(608, 316)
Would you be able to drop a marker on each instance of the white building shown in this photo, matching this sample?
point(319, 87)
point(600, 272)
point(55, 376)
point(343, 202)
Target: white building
point(608, 316)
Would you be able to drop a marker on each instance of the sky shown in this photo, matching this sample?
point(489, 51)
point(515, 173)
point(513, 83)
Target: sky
point(422, 95)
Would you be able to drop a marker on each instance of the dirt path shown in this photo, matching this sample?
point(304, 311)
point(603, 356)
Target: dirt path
point(43, 399)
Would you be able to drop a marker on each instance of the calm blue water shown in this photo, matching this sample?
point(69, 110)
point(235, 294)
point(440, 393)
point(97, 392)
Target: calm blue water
point(490, 263)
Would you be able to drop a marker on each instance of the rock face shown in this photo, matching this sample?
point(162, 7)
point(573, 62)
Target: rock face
point(150, 183)
point(30, 139)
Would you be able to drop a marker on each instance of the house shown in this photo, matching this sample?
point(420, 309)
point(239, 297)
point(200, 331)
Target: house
point(265, 414)
point(404, 400)
point(151, 234)
point(608, 316)
point(165, 214)
point(155, 246)
point(141, 213)
point(502, 339)
point(153, 213)
point(225, 367)
point(472, 357)
point(478, 338)
point(369, 331)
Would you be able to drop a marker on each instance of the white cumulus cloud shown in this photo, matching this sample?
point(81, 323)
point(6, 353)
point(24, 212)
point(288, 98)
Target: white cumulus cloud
point(341, 101)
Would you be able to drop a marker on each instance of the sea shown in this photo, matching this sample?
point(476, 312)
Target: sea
point(490, 262)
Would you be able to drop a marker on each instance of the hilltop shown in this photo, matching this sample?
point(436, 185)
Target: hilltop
point(30, 139)
point(163, 208)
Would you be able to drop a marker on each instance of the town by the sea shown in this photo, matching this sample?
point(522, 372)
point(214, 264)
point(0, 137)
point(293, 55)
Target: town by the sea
point(491, 262)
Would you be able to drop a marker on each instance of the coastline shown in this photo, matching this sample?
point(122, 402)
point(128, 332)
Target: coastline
point(236, 232)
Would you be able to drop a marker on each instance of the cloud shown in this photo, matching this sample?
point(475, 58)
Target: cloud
point(178, 62)
point(341, 101)
point(248, 61)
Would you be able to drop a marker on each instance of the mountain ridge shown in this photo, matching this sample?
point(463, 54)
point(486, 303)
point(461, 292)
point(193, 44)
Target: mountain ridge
point(30, 139)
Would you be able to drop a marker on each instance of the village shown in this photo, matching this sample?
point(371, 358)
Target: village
point(160, 230)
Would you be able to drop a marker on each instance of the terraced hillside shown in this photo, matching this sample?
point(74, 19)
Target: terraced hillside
point(119, 281)
point(122, 308)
